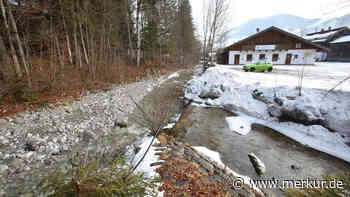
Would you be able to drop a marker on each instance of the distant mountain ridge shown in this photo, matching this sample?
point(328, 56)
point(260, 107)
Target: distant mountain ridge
point(291, 23)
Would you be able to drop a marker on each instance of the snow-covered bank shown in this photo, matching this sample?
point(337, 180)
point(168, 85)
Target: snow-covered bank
point(150, 158)
point(232, 89)
point(215, 156)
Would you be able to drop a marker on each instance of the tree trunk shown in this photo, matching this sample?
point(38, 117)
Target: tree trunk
point(68, 41)
point(77, 47)
point(83, 44)
point(10, 38)
point(128, 19)
point(19, 44)
point(138, 26)
point(60, 56)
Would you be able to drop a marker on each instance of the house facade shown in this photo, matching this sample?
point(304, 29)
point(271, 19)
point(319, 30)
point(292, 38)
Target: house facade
point(340, 49)
point(337, 40)
point(271, 45)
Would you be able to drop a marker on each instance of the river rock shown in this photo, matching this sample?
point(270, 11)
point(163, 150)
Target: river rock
point(274, 111)
point(3, 122)
point(27, 156)
point(258, 165)
point(121, 123)
point(211, 93)
point(3, 140)
point(17, 164)
point(3, 168)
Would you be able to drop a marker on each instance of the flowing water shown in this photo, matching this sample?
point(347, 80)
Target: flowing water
point(283, 158)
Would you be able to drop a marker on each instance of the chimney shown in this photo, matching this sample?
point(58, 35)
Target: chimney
point(329, 28)
point(257, 30)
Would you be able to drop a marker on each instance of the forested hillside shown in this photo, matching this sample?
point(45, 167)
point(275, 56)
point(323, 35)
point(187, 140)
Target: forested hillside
point(57, 45)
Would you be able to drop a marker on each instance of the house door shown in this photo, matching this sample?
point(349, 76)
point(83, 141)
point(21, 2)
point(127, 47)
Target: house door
point(288, 59)
point(237, 57)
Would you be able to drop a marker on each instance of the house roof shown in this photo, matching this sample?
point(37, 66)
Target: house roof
point(325, 31)
point(341, 40)
point(325, 35)
point(283, 32)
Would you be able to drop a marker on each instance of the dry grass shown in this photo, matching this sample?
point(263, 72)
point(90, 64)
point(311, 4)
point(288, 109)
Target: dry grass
point(71, 82)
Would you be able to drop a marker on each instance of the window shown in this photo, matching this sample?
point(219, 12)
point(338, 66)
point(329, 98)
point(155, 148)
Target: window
point(249, 57)
point(275, 57)
point(262, 57)
point(298, 45)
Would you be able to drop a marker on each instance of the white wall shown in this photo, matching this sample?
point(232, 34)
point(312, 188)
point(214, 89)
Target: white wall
point(304, 56)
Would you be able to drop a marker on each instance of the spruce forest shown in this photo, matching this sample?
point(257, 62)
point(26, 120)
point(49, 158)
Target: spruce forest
point(57, 48)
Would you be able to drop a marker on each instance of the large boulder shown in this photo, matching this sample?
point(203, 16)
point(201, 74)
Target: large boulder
point(211, 93)
point(274, 111)
point(258, 165)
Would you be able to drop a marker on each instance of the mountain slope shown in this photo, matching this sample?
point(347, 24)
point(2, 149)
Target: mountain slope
point(291, 23)
point(284, 21)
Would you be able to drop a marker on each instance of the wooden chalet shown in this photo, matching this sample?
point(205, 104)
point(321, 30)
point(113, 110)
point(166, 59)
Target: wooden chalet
point(337, 40)
point(272, 45)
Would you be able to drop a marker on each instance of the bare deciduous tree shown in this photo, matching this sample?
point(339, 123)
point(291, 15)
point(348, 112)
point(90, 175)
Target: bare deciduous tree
point(215, 14)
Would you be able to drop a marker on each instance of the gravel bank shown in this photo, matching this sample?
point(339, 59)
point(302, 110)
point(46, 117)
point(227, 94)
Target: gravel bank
point(33, 141)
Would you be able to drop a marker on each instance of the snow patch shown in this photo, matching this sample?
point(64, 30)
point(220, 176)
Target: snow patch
point(236, 87)
point(314, 136)
point(215, 156)
point(240, 125)
point(145, 166)
point(174, 75)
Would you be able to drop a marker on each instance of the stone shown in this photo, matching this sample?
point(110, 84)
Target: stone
point(3, 122)
point(278, 101)
point(27, 195)
point(53, 148)
point(121, 123)
point(27, 156)
point(29, 146)
point(87, 136)
point(258, 165)
point(3, 140)
point(19, 121)
point(3, 168)
point(17, 164)
point(274, 111)
point(295, 167)
point(156, 164)
point(292, 98)
point(212, 93)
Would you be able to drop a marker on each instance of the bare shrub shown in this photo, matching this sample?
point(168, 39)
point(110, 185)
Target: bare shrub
point(301, 75)
point(156, 110)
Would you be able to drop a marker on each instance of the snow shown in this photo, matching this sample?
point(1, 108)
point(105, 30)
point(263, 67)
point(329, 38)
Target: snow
point(342, 39)
point(314, 136)
point(215, 156)
point(169, 126)
point(320, 35)
point(240, 125)
point(320, 40)
point(235, 88)
point(145, 166)
point(174, 75)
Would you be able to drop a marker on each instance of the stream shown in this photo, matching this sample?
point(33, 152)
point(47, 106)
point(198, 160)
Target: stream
point(283, 157)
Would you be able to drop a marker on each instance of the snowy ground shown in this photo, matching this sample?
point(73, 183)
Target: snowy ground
point(322, 75)
point(150, 158)
point(230, 88)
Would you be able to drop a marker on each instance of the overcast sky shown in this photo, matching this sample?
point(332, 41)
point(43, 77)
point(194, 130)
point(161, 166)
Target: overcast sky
point(244, 10)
